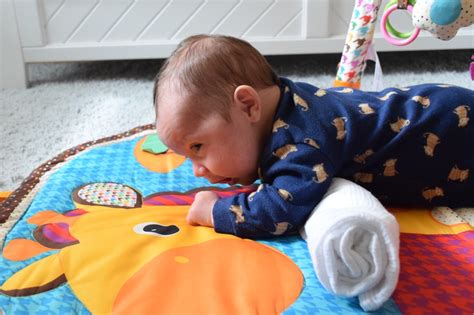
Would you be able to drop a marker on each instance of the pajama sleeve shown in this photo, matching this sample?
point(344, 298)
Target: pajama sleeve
point(296, 180)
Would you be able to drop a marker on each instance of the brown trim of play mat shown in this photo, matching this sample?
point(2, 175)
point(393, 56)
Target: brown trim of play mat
point(15, 198)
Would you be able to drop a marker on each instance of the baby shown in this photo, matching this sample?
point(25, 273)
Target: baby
point(219, 103)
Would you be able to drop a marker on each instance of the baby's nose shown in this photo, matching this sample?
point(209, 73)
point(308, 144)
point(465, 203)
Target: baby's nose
point(199, 170)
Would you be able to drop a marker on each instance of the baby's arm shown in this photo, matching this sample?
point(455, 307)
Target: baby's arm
point(200, 212)
point(292, 187)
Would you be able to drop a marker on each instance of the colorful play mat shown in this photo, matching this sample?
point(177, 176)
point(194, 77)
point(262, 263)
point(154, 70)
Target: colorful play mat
point(100, 229)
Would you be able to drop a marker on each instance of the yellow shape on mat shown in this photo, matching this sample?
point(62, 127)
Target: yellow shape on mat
point(148, 258)
point(423, 221)
point(36, 278)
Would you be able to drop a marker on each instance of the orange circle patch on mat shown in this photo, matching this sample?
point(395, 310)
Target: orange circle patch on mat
point(224, 276)
point(159, 163)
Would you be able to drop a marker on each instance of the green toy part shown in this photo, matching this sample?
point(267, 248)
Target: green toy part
point(390, 28)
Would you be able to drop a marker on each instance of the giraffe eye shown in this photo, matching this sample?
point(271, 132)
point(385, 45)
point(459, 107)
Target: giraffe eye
point(155, 229)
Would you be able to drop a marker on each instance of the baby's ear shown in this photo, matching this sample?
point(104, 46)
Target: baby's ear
point(248, 101)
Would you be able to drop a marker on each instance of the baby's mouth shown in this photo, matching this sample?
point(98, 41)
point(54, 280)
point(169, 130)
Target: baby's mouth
point(232, 181)
point(229, 181)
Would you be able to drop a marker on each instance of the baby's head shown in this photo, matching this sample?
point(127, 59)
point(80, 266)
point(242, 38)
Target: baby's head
point(201, 85)
point(206, 69)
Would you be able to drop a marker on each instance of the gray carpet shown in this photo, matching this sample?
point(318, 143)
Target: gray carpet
point(72, 103)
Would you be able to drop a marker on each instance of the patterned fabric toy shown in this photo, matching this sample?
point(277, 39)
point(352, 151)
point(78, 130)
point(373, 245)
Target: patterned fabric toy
point(358, 40)
point(443, 18)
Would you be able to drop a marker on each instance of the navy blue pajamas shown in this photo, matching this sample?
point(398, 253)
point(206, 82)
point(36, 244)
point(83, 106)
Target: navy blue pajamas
point(411, 146)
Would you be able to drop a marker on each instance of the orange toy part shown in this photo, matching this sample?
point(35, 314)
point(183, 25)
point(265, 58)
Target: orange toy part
point(4, 195)
point(353, 85)
point(227, 279)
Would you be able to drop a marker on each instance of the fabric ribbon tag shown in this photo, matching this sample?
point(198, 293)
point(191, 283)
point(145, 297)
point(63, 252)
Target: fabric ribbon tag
point(377, 84)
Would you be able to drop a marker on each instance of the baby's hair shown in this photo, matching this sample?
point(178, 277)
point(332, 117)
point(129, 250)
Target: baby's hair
point(208, 68)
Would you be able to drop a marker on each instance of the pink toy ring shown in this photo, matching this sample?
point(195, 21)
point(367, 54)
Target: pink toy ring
point(386, 35)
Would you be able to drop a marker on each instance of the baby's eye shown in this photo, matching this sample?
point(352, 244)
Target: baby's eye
point(196, 147)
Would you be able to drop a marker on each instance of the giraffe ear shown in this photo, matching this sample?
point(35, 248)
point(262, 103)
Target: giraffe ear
point(107, 194)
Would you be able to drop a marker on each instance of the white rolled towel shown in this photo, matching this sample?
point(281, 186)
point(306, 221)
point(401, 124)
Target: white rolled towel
point(353, 241)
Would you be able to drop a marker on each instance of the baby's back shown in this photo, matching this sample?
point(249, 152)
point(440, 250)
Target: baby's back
point(411, 145)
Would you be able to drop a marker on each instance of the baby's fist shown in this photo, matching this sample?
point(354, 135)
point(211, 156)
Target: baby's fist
point(200, 212)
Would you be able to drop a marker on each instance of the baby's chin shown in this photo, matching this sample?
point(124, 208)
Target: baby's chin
point(244, 180)
point(247, 181)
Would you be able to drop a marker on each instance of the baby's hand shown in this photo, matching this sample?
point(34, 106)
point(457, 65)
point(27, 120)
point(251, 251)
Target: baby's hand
point(200, 212)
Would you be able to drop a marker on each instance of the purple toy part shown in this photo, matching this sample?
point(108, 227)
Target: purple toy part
point(471, 68)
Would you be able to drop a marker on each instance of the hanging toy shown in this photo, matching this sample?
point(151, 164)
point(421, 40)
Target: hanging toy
point(390, 34)
point(443, 18)
point(358, 42)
